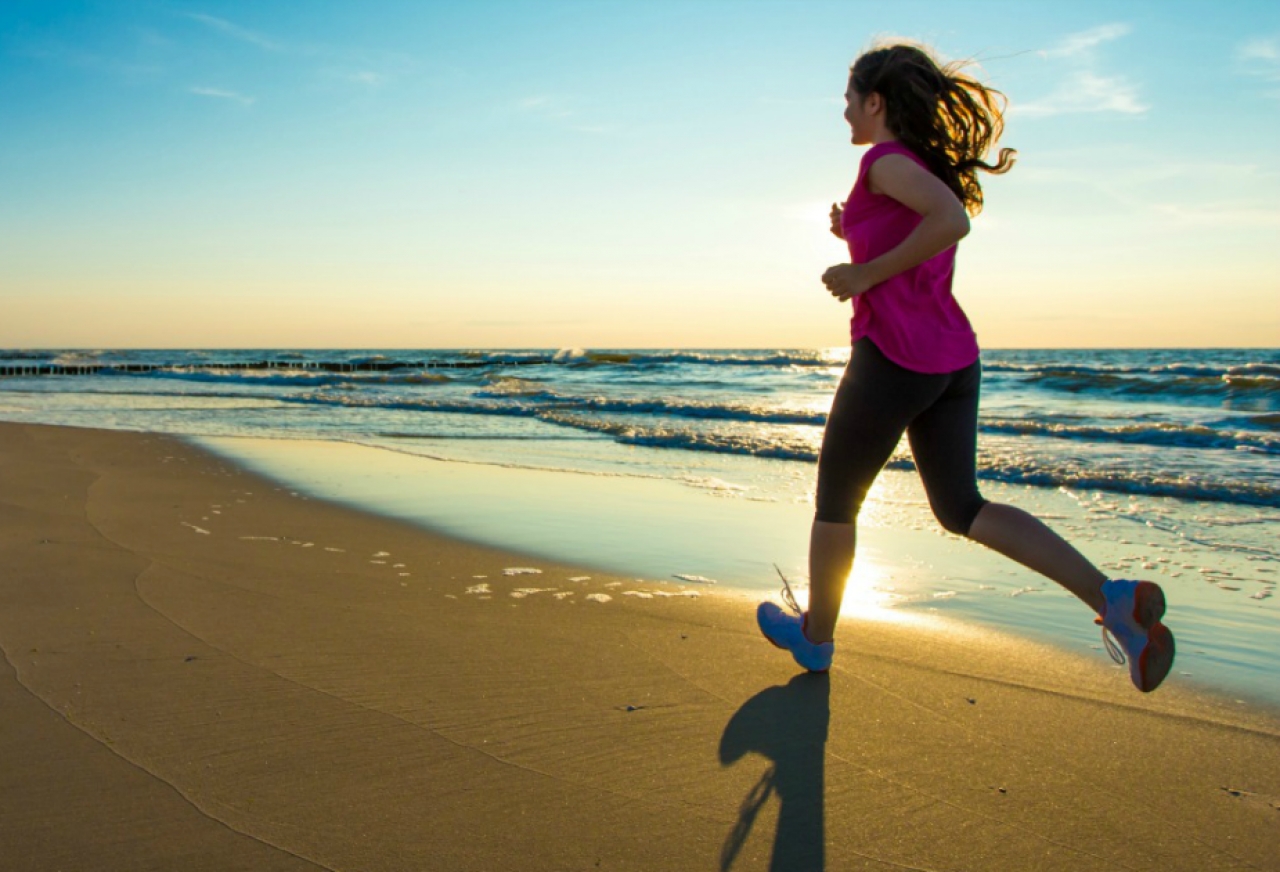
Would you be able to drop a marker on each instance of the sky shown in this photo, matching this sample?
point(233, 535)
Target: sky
point(601, 174)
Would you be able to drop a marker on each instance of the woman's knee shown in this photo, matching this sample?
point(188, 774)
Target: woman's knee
point(839, 510)
point(957, 516)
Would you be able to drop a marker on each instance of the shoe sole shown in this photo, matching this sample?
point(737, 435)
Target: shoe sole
point(1156, 659)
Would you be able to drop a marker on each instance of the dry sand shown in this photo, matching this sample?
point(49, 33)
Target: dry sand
point(204, 671)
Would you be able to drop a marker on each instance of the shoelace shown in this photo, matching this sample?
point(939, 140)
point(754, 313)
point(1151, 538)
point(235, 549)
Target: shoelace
point(1110, 642)
point(788, 597)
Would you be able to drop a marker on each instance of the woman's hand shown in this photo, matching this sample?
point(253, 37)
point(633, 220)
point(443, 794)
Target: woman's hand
point(836, 214)
point(847, 280)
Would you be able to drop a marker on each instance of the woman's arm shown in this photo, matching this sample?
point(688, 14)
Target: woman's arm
point(944, 224)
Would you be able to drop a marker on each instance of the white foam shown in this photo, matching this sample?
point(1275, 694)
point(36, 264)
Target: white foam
point(521, 570)
point(641, 594)
point(479, 588)
point(260, 538)
point(522, 592)
point(562, 594)
point(336, 550)
point(599, 597)
point(201, 530)
point(694, 579)
point(945, 594)
point(581, 578)
point(383, 554)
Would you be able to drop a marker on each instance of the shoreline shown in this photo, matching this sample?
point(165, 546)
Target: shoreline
point(264, 691)
point(908, 570)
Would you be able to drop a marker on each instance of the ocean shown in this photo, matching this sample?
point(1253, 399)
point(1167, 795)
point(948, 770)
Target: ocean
point(1156, 463)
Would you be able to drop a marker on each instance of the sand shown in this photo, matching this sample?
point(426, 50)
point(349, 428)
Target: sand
point(205, 671)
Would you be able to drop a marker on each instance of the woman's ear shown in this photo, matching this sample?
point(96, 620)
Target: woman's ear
point(873, 104)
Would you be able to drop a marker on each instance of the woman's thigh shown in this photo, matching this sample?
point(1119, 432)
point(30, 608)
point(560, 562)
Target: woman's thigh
point(944, 443)
point(874, 404)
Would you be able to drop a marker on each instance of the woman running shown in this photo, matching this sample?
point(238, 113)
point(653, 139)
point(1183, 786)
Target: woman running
point(915, 363)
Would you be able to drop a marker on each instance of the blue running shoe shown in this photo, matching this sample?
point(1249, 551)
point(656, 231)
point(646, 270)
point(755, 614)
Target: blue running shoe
point(787, 631)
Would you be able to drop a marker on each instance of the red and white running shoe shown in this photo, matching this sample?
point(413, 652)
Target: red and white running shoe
point(1131, 630)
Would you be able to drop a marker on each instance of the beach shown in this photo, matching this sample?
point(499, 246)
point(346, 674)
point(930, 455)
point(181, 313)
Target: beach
point(207, 670)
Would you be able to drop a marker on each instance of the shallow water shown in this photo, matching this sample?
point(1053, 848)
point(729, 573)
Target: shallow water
point(907, 570)
point(1160, 464)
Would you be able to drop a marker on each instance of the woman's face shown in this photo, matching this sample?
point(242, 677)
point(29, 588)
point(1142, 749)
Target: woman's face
point(863, 115)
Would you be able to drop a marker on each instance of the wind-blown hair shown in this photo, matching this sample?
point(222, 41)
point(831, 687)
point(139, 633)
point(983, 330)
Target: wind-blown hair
point(949, 119)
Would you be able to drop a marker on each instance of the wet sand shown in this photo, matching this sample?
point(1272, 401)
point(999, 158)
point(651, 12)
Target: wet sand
point(204, 671)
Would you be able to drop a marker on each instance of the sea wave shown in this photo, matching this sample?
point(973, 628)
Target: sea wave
point(529, 399)
point(1196, 436)
point(1218, 388)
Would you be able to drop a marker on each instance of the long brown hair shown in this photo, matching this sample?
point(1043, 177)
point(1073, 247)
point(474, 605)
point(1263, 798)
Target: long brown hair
point(949, 119)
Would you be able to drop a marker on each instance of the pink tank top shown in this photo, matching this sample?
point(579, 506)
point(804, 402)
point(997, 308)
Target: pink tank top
point(912, 317)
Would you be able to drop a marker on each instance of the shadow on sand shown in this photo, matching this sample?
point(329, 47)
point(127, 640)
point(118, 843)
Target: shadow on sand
point(788, 725)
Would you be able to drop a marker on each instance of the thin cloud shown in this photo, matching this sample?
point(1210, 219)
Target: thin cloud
point(1087, 92)
point(1260, 59)
point(545, 106)
point(235, 31)
point(1084, 88)
point(1260, 50)
point(1220, 215)
point(222, 94)
point(1075, 44)
point(367, 77)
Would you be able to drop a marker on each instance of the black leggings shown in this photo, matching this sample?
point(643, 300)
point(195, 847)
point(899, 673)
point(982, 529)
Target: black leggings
point(876, 401)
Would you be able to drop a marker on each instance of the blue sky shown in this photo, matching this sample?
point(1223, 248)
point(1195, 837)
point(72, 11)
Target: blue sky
point(549, 174)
